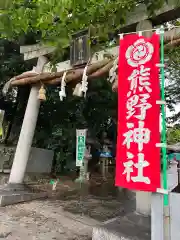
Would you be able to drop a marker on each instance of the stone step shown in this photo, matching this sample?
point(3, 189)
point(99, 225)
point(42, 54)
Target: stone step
point(130, 227)
point(9, 198)
point(17, 193)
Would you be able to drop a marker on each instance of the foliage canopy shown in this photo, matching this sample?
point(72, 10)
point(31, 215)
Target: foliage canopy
point(173, 135)
point(54, 21)
point(173, 88)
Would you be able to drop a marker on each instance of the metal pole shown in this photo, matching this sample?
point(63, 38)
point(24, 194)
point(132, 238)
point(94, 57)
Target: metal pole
point(163, 140)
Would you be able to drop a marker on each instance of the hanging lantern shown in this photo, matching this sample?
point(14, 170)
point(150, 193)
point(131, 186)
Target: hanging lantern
point(42, 94)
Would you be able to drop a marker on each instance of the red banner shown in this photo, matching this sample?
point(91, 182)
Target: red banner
point(138, 159)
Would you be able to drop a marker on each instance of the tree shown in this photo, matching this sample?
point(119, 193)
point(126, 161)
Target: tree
point(53, 21)
point(173, 89)
point(173, 135)
point(11, 64)
point(173, 79)
point(58, 121)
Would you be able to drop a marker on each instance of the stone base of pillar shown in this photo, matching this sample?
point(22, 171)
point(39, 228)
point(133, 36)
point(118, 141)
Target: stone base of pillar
point(17, 193)
point(81, 180)
point(83, 173)
point(143, 203)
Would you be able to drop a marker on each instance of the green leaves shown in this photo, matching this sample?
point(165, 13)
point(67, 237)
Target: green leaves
point(173, 73)
point(58, 121)
point(5, 4)
point(60, 18)
point(56, 20)
point(173, 135)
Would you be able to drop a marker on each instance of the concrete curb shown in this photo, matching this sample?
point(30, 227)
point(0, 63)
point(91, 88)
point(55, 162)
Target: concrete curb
point(8, 198)
point(129, 227)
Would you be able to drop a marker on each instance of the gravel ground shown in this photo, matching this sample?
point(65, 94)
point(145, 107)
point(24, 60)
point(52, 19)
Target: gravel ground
point(68, 214)
point(43, 220)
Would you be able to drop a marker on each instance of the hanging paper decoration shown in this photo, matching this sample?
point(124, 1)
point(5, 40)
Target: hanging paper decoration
point(84, 83)
point(112, 72)
point(42, 94)
point(77, 91)
point(62, 93)
point(138, 157)
point(2, 113)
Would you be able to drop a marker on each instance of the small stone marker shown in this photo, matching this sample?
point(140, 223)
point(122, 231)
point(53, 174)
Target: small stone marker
point(54, 184)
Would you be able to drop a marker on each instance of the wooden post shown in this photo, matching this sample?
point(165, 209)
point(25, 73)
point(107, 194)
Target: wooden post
point(27, 132)
point(83, 174)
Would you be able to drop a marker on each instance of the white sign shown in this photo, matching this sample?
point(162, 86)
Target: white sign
point(80, 146)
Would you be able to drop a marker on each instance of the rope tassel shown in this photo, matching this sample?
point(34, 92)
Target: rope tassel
point(62, 93)
point(84, 83)
point(112, 71)
point(77, 91)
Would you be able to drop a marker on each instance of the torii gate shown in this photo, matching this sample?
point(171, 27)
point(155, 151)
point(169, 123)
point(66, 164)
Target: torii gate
point(100, 66)
point(101, 63)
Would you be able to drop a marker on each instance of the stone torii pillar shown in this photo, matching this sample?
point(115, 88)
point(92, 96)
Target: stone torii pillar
point(27, 132)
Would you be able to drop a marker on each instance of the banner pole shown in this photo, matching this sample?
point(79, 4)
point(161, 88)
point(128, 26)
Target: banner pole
point(163, 112)
point(166, 222)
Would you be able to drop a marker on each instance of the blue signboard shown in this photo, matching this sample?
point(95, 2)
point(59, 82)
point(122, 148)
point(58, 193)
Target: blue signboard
point(174, 156)
point(106, 154)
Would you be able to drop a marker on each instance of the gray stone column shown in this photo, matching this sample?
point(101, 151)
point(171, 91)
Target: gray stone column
point(143, 203)
point(27, 132)
point(157, 215)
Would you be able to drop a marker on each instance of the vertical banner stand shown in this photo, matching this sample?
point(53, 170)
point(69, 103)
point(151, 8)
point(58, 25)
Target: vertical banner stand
point(166, 223)
point(160, 227)
point(163, 112)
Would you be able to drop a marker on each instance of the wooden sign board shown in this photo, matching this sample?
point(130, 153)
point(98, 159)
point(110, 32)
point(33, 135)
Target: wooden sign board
point(80, 146)
point(80, 48)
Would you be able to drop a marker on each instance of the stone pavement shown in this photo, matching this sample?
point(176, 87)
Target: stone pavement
point(132, 226)
point(70, 213)
point(43, 220)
